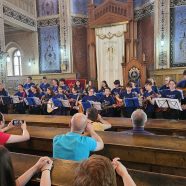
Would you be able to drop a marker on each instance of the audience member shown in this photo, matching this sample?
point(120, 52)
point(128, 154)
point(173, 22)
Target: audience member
point(75, 146)
point(139, 118)
point(7, 177)
point(8, 138)
point(99, 124)
point(100, 171)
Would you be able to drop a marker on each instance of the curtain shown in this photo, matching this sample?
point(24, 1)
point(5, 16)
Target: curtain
point(110, 43)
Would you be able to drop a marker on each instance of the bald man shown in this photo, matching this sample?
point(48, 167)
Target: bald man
point(139, 118)
point(73, 145)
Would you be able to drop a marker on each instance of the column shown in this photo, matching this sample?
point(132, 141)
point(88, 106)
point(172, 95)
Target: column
point(65, 36)
point(3, 54)
point(162, 34)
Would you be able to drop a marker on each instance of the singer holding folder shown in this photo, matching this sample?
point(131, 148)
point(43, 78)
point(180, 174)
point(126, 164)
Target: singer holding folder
point(173, 94)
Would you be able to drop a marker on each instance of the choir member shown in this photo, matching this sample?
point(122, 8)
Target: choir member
point(45, 99)
point(44, 85)
point(78, 86)
point(108, 103)
point(182, 83)
point(28, 83)
point(172, 93)
point(35, 92)
point(90, 96)
point(73, 99)
point(103, 86)
point(3, 93)
point(166, 85)
point(154, 87)
point(134, 87)
point(65, 87)
point(117, 90)
point(21, 93)
point(127, 111)
point(88, 86)
point(148, 103)
point(55, 84)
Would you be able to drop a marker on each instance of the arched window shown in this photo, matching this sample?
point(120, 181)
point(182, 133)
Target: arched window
point(17, 67)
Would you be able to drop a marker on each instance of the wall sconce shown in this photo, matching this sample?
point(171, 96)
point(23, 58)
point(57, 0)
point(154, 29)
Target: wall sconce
point(162, 43)
point(31, 61)
point(8, 59)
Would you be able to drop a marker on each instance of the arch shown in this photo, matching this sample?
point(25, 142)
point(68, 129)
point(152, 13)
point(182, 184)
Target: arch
point(15, 45)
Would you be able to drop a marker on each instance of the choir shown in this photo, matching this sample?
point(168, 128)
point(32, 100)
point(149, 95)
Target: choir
point(58, 98)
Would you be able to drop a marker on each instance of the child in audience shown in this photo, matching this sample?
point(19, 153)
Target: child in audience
point(99, 170)
point(7, 177)
point(99, 124)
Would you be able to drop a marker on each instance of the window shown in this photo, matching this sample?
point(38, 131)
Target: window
point(17, 67)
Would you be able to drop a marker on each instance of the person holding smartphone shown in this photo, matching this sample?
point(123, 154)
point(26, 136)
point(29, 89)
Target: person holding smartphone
point(9, 138)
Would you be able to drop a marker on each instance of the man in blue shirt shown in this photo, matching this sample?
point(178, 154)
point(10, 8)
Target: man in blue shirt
point(139, 118)
point(73, 145)
point(28, 83)
point(44, 85)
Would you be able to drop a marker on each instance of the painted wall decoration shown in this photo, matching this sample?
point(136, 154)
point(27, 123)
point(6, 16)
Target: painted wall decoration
point(80, 6)
point(47, 7)
point(178, 36)
point(140, 3)
point(49, 44)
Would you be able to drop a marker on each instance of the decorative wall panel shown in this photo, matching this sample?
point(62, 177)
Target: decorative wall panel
point(47, 7)
point(49, 44)
point(178, 36)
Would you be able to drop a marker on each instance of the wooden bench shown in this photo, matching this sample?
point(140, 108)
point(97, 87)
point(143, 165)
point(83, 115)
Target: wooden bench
point(157, 153)
point(157, 126)
point(63, 173)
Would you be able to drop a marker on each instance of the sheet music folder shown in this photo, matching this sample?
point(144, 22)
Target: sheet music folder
point(131, 102)
point(168, 103)
point(32, 101)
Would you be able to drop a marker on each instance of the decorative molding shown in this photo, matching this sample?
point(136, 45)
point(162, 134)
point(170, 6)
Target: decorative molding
point(146, 10)
point(174, 3)
point(79, 20)
point(18, 16)
point(48, 22)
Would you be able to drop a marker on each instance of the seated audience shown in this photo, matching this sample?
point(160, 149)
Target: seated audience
point(8, 138)
point(99, 124)
point(139, 118)
point(100, 171)
point(75, 146)
point(7, 177)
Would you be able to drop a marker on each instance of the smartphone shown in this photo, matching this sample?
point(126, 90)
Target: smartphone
point(17, 122)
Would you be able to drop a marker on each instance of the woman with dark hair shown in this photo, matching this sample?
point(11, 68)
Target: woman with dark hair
point(78, 86)
point(104, 85)
point(7, 177)
point(21, 93)
point(45, 99)
point(35, 95)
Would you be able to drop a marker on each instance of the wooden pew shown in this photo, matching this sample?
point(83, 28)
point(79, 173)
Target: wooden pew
point(157, 126)
point(157, 153)
point(63, 173)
